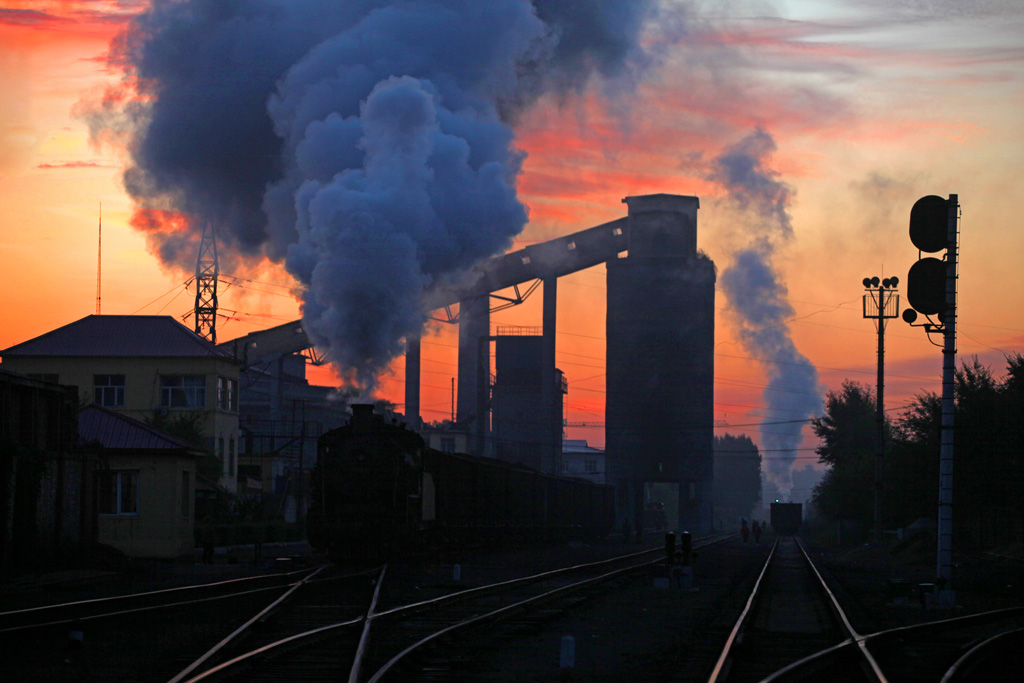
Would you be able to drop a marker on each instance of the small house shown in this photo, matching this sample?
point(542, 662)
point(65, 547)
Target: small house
point(144, 484)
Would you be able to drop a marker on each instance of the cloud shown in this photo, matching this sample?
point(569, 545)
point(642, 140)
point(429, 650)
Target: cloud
point(74, 164)
point(31, 18)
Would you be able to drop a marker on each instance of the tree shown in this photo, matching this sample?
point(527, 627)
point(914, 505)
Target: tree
point(737, 475)
point(912, 467)
point(988, 471)
point(188, 426)
point(848, 433)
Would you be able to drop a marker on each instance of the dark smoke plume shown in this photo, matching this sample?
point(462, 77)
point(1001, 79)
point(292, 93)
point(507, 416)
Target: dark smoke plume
point(366, 144)
point(758, 300)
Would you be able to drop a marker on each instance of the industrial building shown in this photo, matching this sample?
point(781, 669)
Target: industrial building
point(660, 357)
point(521, 420)
point(660, 354)
point(660, 362)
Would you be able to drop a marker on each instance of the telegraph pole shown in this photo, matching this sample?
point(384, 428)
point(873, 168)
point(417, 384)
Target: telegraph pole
point(881, 302)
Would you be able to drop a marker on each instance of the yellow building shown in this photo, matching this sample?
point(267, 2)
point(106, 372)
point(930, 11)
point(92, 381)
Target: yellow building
point(144, 485)
point(150, 368)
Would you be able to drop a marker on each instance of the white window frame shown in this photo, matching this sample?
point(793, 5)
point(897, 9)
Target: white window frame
point(124, 481)
point(183, 391)
point(227, 394)
point(102, 392)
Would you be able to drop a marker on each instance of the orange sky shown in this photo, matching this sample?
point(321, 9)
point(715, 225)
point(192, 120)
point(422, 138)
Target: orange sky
point(870, 107)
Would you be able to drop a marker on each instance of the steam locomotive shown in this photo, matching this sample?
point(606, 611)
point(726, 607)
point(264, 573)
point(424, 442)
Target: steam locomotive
point(787, 518)
point(377, 490)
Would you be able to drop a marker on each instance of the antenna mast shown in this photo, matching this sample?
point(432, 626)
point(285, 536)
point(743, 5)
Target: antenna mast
point(99, 261)
point(206, 286)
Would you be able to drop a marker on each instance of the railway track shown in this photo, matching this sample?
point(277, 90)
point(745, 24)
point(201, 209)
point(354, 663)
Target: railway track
point(397, 627)
point(154, 636)
point(22, 621)
point(434, 639)
point(790, 615)
point(794, 629)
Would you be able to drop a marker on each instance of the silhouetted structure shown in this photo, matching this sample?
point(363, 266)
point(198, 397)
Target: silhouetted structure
point(660, 360)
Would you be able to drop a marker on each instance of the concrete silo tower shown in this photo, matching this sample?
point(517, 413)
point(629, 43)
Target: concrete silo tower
point(660, 364)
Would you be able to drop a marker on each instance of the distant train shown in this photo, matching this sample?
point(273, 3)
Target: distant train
point(378, 489)
point(787, 518)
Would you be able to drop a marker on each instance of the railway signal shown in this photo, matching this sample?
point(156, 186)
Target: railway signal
point(931, 290)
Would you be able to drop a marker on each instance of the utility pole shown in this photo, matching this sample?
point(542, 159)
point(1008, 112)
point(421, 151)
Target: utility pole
point(206, 286)
point(99, 260)
point(880, 303)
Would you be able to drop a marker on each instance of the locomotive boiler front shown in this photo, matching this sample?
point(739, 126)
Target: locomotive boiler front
point(366, 489)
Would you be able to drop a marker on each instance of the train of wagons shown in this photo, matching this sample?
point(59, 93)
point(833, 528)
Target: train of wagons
point(378, 490)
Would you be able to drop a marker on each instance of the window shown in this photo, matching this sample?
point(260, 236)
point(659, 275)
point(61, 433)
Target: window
point(182, 391)
point(231, 456)
point(118, 493)
point(227, 393)
point(186, 494)
point(590, 465)
point(108, 390)
point(448, 444)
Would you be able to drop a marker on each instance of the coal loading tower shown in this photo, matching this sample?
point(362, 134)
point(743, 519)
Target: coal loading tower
point(660, 363)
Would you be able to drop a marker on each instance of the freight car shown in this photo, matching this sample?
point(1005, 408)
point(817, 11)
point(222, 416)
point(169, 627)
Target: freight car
point(787, 518)
point(377, 489)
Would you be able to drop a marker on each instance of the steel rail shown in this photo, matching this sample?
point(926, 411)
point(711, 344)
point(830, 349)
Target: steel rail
point(241, 629)
point(863, 641)
point(838, 611)
point(944, 624)
point(163, 605)
point(721, 668)
point(412, 606)
point(494, 587)
point(548, 595)
point(270, 646)
point(853, 638)
point(364, 637)
point(147, 608)
point(962, 668)
point(703, 543)
point(498, 613)
point(113, 598)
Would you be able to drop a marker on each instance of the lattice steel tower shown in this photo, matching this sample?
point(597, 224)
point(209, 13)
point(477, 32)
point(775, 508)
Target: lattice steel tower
point(206, 286)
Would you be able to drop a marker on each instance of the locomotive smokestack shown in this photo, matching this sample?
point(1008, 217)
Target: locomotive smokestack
point(362, 415)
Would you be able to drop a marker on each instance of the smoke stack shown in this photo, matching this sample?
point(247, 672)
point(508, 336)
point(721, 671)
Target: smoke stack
point(362, 416)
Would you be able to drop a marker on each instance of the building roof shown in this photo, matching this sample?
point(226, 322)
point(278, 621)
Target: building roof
point(579, 446)
point(113, 430)
point(119, 336)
